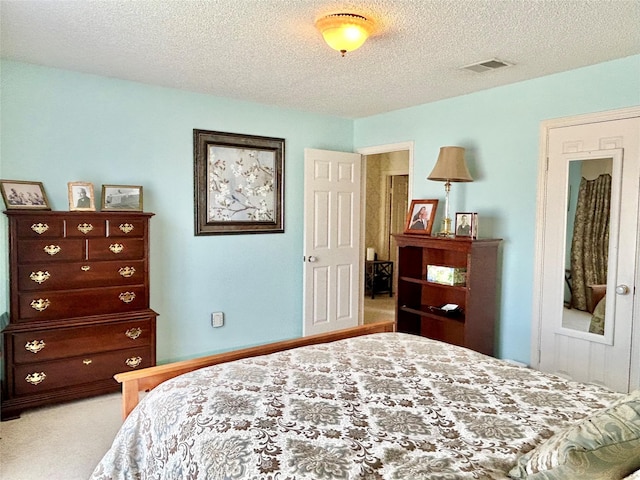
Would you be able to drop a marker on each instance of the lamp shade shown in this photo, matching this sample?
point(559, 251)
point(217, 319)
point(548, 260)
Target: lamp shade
point(451, 166)
point(345, 32)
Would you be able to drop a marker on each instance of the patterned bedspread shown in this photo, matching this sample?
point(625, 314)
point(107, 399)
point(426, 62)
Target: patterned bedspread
point(382, 406)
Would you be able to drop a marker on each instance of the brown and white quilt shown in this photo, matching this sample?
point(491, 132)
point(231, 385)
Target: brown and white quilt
point(381, 406)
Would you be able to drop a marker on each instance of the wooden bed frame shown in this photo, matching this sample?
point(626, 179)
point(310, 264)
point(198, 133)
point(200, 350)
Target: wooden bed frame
point(147, 378)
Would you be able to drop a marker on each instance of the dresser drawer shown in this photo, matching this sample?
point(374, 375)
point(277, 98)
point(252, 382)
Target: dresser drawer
point(52, 250)
point(39, 227)
point(80, 303)
point(116, 249)
point(57, 276)
point(41, 345)
point(85, 226)
point(126, 227)
point(65, 373)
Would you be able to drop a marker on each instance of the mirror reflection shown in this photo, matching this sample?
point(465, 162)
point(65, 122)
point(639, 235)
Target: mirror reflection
point(587, 248)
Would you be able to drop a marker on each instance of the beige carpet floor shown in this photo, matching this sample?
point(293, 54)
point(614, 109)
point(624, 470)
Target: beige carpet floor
point(60, 442)
point(380, 308)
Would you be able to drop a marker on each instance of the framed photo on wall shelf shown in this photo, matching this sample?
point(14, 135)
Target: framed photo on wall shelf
point(19, 194)
point(466, 224)
point(122, 198)
point(420, 216)
point(238, 183)
point(81, 197)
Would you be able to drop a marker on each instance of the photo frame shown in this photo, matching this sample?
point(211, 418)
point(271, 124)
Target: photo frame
point(238, 182)
point(20, 194)
point(81, 197)
point(121, 198)
point(421, 216)
point(466, 224)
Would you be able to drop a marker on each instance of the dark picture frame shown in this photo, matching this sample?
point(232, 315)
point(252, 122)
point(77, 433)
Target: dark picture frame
point(24, 195)
point(420, 217)
point(466, 224)
point(81, 197)
point(121, 198)
point(238, 183)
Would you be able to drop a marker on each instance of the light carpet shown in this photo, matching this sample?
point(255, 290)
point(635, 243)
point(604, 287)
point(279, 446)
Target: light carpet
point(60, 442)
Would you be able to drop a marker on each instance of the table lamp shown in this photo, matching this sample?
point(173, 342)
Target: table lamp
point(450, 167)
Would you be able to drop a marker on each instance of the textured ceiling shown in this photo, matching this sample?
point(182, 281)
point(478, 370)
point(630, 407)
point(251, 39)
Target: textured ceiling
point(268, 51)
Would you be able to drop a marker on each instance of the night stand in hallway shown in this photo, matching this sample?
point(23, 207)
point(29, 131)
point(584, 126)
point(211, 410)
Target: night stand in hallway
point(378, 277)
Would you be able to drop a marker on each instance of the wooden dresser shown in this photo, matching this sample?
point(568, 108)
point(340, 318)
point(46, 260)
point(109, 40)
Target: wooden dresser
point(79, 305)
point(419, 299)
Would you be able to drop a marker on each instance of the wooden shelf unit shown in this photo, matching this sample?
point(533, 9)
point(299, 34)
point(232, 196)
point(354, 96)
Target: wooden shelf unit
point(418, 300)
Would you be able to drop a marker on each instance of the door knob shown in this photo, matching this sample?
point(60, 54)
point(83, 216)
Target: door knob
point(312, 259)
point(622, 289)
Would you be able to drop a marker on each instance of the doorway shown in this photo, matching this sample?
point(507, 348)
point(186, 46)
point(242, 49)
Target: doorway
point(386, 195)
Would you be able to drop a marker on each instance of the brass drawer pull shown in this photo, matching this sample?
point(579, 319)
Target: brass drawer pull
point(133, 362)
point(52, 249)
point(116, 247)
point(41, 304)
point(127, 272)
point(39, 228)
point(133, 333)
point(35, 378)
point(127, 297)
point(85, 227)
point(87, 361)
point(34, 346)
point(40, 277)
point(126, 227)
point(85, 268)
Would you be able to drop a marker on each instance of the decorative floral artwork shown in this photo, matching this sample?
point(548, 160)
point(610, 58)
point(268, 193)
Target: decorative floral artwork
point(238, 182)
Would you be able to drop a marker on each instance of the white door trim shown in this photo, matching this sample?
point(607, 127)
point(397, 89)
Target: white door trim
point(545, 127)
point(374, 150)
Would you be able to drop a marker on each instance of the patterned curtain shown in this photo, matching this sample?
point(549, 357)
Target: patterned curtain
point(590, 245)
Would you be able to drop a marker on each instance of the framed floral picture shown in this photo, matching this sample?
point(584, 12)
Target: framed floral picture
point(420, 216)
point(18, 194)
point(238, 181)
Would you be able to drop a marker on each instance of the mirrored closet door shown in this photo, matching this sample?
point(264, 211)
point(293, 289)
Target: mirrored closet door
point(587, 252)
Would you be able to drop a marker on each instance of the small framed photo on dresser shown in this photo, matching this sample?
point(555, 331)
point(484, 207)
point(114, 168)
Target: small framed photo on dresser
point(81, 197)
point(125, 198)
point(420, 216)
point(466, 224)
point(18, 194)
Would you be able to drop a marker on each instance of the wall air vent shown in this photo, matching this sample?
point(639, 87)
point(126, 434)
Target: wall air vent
point(486, 65)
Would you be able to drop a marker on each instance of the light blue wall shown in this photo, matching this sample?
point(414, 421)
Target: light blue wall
point(59, 126)
point(500, 129)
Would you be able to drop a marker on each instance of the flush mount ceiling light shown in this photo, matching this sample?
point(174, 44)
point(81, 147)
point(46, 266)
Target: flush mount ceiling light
point(345, 32)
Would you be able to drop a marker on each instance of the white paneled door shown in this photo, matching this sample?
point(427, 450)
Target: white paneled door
point(331, 240)
point(565, 347)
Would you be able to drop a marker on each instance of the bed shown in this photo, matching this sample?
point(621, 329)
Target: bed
point(375, 406)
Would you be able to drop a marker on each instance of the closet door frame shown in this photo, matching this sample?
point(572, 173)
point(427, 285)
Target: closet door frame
point(537, 312)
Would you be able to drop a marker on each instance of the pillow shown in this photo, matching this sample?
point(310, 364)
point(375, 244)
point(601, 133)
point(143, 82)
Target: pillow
point(633, 476)
point(605, 445)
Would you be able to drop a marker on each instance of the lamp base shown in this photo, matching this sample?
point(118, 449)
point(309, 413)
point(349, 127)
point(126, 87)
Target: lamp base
point(446, 228)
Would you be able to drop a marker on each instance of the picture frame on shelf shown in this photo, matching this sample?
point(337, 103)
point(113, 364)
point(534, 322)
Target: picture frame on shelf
point(121, 198)
point(466, 224)
point(420, 217)
point(81, 197)
point(239, 183)
point(24, 195)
